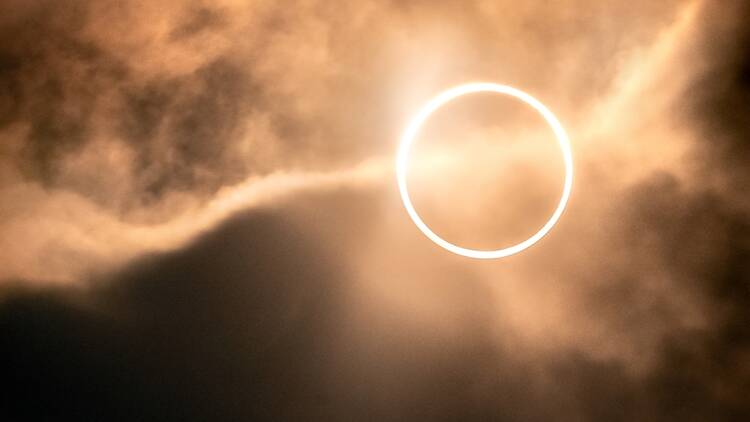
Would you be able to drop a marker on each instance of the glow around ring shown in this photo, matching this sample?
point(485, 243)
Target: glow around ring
point(412, 130)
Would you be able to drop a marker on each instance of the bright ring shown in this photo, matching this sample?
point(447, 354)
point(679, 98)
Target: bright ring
point(413, 129)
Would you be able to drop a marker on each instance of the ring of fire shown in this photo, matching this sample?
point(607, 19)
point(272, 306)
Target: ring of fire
point(412, 130)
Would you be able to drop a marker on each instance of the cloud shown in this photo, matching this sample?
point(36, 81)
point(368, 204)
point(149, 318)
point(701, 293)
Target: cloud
point(188, 335)
point(199, 219)
point(131, 128)
point(268, 317)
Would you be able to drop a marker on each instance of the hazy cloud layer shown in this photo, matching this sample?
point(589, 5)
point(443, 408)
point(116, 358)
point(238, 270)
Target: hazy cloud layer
point(210, 190)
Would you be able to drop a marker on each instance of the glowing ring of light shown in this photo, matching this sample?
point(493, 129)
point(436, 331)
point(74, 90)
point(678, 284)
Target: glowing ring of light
point(441, 99)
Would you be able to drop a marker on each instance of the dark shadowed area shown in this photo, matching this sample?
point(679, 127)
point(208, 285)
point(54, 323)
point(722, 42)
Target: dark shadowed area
point(252, 321)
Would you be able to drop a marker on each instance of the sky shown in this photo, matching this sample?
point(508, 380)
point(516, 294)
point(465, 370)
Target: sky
point(200, 220)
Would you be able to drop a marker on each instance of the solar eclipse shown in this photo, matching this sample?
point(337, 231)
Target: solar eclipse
point(413, 129)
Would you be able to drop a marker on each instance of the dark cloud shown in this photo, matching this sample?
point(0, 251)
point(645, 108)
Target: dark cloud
point(75, 85)
point(205, 95)
point(200, 19)
point(718, 98)
point(53, 81)
point(70, 90)
point(237, 326)
point(255, 320)
point(702, 249)
point(183, 129)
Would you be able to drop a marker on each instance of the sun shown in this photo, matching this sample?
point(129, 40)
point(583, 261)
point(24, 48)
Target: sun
point(412, 130)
